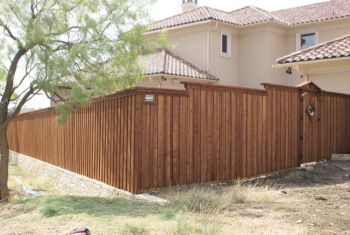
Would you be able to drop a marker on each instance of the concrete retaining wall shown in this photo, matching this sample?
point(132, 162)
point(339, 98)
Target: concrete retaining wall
point(72, 183)
point(341, 157)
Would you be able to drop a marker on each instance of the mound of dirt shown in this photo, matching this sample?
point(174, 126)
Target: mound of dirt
point(322, 173)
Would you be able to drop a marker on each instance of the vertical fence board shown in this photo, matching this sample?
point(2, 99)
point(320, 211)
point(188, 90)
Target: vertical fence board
point(206, 133)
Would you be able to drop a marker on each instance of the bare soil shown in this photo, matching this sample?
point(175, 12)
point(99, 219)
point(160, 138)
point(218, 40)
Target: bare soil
point(317, 199)
point(312, 200)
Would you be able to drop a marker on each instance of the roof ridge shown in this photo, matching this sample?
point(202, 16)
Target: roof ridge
point(314, 47)
point(213, 8)
point(262, 11)
point(239, 9)
point(290, 16)
point(182, 13)
point(312, 4)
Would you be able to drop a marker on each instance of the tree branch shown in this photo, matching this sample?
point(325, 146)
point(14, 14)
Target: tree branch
point(11, 35)
point(24, 99)
point(60, 98)
point(29, 68)
point(10, 76)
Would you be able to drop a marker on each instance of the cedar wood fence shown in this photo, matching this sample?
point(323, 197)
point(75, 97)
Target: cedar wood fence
point(203, 134)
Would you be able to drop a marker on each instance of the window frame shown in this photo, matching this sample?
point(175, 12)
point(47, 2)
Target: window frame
point(229, 44)
point(300, 34)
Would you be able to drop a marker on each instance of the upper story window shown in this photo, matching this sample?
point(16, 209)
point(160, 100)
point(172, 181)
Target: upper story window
point(188, 1)
point(308, 40)
point(225, 44)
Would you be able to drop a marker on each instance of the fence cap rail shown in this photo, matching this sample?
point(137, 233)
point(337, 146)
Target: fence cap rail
point(119, 94)
point(277, 86)
point(224, 88)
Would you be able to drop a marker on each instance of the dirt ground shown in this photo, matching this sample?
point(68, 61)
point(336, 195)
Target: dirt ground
point(318, 199)
point(311, 200)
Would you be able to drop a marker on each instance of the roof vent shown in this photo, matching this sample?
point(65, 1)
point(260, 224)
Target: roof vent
point(189, 5)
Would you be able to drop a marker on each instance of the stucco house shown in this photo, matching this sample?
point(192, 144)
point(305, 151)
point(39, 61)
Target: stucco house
point(242, 47)
point(326, 64)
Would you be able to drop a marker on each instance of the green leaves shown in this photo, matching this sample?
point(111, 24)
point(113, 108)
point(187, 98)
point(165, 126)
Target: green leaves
point(89, 45)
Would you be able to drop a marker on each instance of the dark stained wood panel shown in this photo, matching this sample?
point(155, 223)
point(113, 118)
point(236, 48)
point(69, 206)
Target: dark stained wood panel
point(204, 134)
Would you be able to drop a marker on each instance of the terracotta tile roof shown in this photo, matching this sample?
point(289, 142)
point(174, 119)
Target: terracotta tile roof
point(249, 15)
point(254, 15)
point(315, 12)
point(165, 62)
point(337, 48)
point(197, 15)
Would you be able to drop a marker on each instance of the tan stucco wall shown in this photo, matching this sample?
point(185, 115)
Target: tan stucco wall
point(225, 68)
point(191, 43)
point(326, 31)
point(336, 81)
point(329, 76)
point(259, 48)
point(158, 82)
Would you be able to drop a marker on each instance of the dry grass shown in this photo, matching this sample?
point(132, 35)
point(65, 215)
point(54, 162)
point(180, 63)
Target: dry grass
point(31, 182)
point(203, 200)
point(242, 208)
point(134, 229)
point(286, 208)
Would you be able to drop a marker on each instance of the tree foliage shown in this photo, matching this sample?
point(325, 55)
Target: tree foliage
point(90, 45)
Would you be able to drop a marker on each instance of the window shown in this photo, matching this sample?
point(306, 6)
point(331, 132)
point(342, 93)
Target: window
point(188, 1)
point(226, 44)
point(307, 40)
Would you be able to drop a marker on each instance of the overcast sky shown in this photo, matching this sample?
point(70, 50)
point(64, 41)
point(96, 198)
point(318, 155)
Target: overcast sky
point(166, 8)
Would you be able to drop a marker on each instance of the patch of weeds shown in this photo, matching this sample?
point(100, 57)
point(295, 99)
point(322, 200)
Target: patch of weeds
point(236, 194)
point(2, 204)
point(167, 215)
point(199, 200)
point(202, 200)
point(49, 212)
point(17, 171)
point(285, 208)
point(134, 229)
point(210, 228)
point(42, 184)
point(182, 227)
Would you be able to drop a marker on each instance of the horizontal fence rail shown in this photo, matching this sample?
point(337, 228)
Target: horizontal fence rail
point(145, 138)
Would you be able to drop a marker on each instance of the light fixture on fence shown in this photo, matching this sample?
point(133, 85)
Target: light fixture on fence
point(149, 98)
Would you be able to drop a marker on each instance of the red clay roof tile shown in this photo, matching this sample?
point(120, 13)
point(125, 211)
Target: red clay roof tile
point(336, 48)
point(249, 15)
point(165, 62)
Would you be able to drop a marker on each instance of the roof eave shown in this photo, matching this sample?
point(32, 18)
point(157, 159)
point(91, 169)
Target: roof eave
point(296, 25)
point(273, 21)
point(293, 64)
point(182, 78)
point(186, 25)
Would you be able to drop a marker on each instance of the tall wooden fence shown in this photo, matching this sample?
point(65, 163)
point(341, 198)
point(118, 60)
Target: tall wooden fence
point(145, 138)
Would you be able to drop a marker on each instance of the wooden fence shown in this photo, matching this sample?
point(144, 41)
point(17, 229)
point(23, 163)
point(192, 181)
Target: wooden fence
point(145, 138)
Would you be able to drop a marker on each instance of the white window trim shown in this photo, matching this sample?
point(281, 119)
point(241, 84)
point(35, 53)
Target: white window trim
point(298, 38)
point(229, 44)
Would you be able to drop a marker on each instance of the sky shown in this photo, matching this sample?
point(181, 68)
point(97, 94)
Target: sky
point(166, 8)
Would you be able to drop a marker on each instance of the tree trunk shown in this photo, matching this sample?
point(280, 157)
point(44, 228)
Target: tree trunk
point(4, 165)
